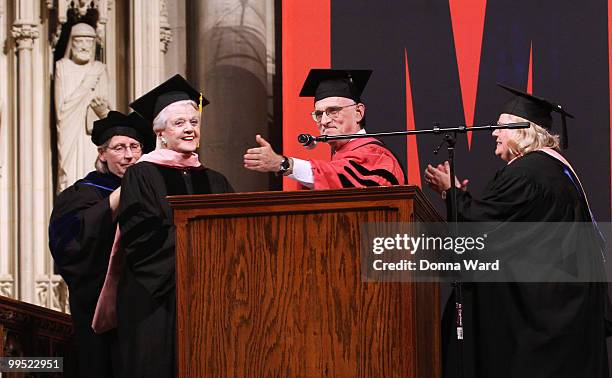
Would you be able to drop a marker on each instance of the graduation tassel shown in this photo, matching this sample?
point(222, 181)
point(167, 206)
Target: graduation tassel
point(200, 109)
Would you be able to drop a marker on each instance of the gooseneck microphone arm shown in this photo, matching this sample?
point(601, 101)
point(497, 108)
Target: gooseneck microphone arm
point(307, 139)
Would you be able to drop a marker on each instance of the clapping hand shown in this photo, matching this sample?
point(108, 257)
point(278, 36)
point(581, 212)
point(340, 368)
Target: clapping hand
point(438, 178)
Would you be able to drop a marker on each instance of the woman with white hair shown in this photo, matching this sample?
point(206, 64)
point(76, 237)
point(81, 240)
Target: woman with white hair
point(146, 297)
point(538, 325)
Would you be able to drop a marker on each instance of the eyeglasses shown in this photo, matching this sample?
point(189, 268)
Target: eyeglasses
point(122, 148)
point(332, 112)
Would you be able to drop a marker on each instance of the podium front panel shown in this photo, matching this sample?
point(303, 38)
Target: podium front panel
point(270, 284)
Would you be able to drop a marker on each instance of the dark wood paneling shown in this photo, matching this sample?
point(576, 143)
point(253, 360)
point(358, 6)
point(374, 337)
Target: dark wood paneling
point(27, 330)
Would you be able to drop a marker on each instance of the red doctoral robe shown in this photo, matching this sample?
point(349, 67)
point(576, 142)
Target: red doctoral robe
point(358, 163)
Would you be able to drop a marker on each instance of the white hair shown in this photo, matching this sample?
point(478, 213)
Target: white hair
point(102, 166)
point(159, 123)
point(523, 141)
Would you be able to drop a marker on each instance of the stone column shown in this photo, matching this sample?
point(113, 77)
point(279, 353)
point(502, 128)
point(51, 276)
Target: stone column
point(50, 289)
point(8, 225)
point(25, 31)
point(175, 26)
point(107, 32)
point(146, 46)
point(229, 40)
point(165, 30)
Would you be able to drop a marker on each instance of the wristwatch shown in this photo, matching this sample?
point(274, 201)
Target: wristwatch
point(284, 166)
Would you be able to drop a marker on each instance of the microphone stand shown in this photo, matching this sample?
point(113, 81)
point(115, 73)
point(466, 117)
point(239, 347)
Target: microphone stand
point(452, 215)
point(450, 139)
point(307, 139)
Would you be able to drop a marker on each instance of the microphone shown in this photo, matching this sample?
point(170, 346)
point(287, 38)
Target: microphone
point(307, 141)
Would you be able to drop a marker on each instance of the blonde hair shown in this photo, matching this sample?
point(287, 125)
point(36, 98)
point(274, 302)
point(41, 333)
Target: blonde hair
point(159, 123)
point(524, 141)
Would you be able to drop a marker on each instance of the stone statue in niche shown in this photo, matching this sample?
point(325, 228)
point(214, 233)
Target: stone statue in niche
point(81, 97)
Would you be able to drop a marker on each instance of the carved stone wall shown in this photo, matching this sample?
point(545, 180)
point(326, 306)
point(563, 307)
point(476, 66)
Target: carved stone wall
point(175, 59)
point(25, 33)
point(150, 36)
point(27, 330)
point(29, 197)
point(224, 45)
point(8, 218)
point(26, 175)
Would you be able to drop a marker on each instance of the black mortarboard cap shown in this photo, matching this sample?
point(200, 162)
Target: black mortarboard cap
point(536, 110)
point(323, 83)
point(132, 125)
point(172, 90)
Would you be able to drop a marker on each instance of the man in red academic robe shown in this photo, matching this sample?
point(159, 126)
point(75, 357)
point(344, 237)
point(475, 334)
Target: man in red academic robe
point(338, 110)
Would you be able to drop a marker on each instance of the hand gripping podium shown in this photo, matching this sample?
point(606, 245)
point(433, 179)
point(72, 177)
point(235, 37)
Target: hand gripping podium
point(269, 284)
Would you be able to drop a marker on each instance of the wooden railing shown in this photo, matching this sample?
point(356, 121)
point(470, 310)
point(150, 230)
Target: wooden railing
point(27, 330)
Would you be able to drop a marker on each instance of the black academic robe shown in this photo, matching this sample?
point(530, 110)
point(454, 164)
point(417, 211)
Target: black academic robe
point(539, 330)
point(81, 233)
point(146, 297)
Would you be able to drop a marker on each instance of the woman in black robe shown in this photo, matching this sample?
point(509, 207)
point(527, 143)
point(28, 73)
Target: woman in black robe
point(82, 230)
point(146, 296)
point(518, 329)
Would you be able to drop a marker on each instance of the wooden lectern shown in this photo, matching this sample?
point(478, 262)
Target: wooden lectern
point(269, 284)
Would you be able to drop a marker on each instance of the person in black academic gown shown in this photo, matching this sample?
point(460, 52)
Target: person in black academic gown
point(82, 229)
point(146, 296)
point(517, 329)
